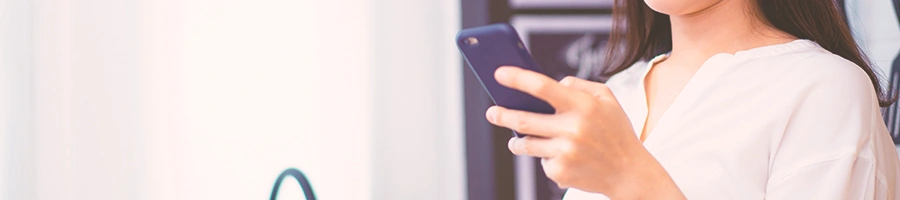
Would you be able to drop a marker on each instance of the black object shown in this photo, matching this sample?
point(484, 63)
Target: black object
point(892, 113)
point(304, 183)
point(897, 8)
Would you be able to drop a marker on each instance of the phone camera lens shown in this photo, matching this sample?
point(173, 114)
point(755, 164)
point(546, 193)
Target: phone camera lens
point(471, 41)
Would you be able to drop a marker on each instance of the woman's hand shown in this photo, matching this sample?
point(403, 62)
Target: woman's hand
point(588, 144)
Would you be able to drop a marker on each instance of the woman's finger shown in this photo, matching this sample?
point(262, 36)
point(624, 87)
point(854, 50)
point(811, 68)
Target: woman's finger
point(533, 146)
point(528, 123)
point(537, 85)
point(595, 89)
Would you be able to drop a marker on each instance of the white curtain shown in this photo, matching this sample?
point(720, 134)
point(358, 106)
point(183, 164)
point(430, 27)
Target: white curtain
point(211, 99)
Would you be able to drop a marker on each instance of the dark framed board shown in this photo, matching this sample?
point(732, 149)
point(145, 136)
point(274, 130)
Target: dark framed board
point(566, 45)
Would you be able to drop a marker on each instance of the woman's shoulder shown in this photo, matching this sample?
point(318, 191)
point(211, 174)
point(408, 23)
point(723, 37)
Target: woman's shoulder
point(814, 62)
point(814, 68)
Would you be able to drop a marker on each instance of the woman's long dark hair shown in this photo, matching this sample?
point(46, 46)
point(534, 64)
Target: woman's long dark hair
point(639, 33)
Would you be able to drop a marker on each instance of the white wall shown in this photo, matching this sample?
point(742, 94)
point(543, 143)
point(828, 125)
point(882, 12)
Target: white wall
point(408, 51)
point(211, 99)
point(15, 101)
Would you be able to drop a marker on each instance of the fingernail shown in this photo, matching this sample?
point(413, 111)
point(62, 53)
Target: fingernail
point(512, 145)
point(500, 73)
point(566, 81)
point(491, 114)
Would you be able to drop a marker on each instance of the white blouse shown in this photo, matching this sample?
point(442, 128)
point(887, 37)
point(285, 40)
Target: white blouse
point(787, 121)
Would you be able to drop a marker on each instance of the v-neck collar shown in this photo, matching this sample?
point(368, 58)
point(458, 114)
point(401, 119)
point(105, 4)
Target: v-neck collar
point(644, 107)
point(708, 72)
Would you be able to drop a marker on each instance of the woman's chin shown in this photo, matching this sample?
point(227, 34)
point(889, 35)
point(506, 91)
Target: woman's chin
point(679, 7)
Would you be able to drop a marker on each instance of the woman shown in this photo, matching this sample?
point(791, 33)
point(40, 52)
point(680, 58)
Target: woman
point(747, 99)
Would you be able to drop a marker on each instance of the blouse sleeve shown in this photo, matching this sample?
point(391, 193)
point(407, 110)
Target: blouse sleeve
point(825, 151)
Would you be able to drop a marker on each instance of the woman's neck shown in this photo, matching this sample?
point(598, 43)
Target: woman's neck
point(727, 26)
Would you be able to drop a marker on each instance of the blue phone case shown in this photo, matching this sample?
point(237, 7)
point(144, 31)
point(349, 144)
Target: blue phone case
point(486, 48)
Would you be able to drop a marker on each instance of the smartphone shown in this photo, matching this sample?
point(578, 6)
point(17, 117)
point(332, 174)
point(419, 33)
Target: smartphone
point(486, 48)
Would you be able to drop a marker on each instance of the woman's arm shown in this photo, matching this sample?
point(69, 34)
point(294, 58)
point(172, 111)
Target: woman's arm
point(588, 143)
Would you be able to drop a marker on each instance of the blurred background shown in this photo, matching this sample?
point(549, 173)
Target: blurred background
point(203, 99)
